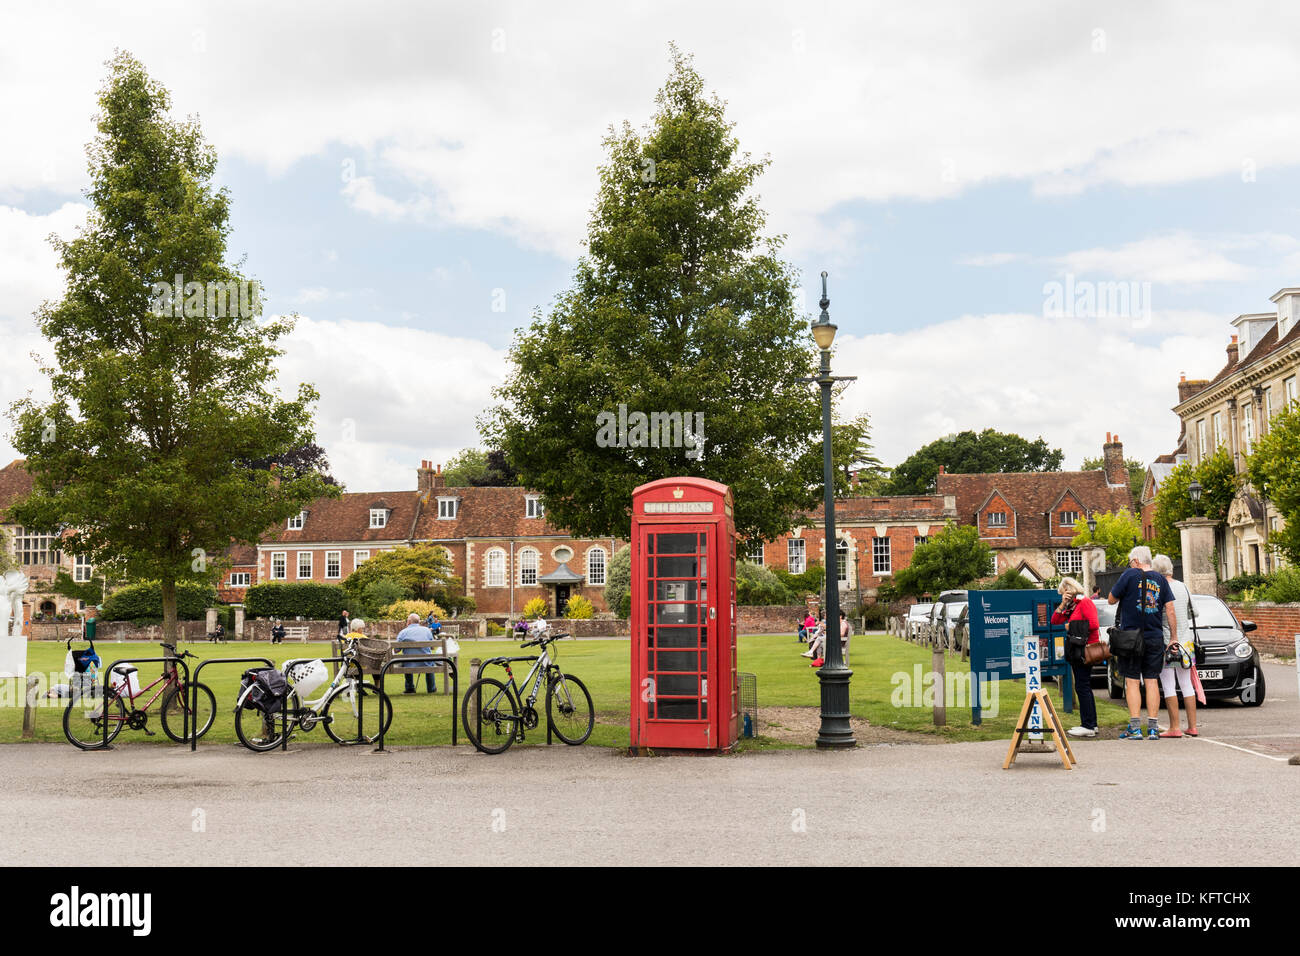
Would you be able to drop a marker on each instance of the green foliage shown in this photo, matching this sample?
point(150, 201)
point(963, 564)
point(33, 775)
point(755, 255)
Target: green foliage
point(618, 582)
point(537, 607)
point(875, 616)
point(7, 560)
point(679, 306)
point(1283, 587)
point(92, 591)
point(378, 595)
point(1273, 473)
point(579, 609)
point(465, 466)
point(1115, 532)
point(422, 570)
point(756, 585)
point(1218, 477)
point(145, 447)
point(851, 451)
point(142, 602)
point(495, 630)
point(950, 559)
point(810, 581)
point(1137, 475)
point(968, 453)
point(1010, 580)
point(398, 610)
point(307, 599)
point(1243, 582)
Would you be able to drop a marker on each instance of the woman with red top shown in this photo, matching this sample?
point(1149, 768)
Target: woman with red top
point(1075, 606)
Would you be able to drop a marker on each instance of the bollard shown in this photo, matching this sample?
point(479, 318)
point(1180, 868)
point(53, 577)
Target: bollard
point(29, 708)
point(939, 666)
point(475, 666)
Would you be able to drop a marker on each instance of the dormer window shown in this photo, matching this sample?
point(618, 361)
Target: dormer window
point(533, 507)
point(448, 508)
point(378, 517)
point(997, 519)
point(1068, 518)
point(296, 522)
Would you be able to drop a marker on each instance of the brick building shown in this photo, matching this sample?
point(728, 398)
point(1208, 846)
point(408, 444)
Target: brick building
point(38, 552)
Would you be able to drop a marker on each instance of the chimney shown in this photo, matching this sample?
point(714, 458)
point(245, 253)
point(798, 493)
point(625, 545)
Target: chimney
point(1112, 457)
point(941, 470)
point(1187, 387)
point(1232, 352)
point(428, 480)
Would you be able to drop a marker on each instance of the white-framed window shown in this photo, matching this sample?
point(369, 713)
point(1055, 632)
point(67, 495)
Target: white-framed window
point(993, 563)
point(1068, 518)
point(881, 560)
point(378, 517)
point(755, 555)
point(496, 568)
point(240, 579)
point(81, 568)
point(920, 539)
point(796, 555)
point(1200, 437)
point(447, 508)
point(36, 547)
point(279, 565)
point(842, 561)
point(333, 565)
point(1247, 428)
point(360, 557)
point(596, 567)
point(997, 519)
point(1216, 422)
point(528, 558)
point(533, 507)
point(1069, 560)
point(1289, 389)
point(1268, 406)
point(304, 564)
point(296, 522)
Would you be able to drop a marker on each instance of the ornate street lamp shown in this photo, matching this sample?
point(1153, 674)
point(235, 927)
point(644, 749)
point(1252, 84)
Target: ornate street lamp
point(1092, 528)
point(1194, 489)
point(835, 731)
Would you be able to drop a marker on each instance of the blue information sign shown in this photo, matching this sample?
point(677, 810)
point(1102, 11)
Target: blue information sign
point(1001, 625)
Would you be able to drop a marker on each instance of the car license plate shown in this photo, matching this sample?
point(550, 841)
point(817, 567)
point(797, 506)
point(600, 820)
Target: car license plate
point(1211, 675)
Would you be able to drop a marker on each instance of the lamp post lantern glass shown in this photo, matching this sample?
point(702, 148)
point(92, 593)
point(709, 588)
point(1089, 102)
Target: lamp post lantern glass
point(1092, 528)
point(835, 731)
point(1194, 489)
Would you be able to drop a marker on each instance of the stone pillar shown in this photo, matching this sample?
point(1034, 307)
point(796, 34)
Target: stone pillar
point(212, 619)
point(1198, 554)
point(239, 622)
point(1094, 560)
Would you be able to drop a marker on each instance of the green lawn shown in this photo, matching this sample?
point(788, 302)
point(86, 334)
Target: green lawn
point(784, 680)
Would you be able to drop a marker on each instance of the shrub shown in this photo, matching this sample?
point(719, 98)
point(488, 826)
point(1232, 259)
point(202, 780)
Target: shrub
point(1283, 587)
point(142, 602)
point(1243, 582)
point(315, 602)
point(579, 609)
point(618, 582)
point(494, 629)
point(756, 585)
point(811, 581)
point(536, 608)
point(380, 594)
point(875, 617)
point(398, 610)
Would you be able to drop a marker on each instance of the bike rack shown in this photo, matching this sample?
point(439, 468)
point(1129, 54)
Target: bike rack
point(194, 687)
point(108, 684)
point(419, 659)
point(501, 661)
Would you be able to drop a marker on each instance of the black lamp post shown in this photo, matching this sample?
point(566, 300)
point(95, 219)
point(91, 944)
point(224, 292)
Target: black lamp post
point(1194, 489)
point(834, 676)
point(1092, 528)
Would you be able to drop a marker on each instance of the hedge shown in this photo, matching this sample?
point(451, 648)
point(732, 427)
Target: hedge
point(143, 602)
point(315, 602)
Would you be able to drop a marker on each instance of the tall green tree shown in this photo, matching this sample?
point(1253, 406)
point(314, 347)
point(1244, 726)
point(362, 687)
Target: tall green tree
point(853, 452)
point(1137, 474)
point(1218, 477)
point(422, 569)
point(1116, 532)
point(969, 453)
point(953, 558)
point(465, 466)
point(1274, 471)
point(679, 306)
point(159, 405)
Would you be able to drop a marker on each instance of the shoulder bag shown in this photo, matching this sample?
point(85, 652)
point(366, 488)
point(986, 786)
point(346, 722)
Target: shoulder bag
point(1123, 641)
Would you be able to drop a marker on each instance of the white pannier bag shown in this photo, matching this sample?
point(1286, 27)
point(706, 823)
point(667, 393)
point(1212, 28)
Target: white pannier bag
point(307, 676)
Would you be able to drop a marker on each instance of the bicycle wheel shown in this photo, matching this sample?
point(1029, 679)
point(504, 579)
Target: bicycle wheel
point(498, 715)
point(261, 732)
point(568, 708)
point(348, 713)
point(176, 702)
point(83, 721)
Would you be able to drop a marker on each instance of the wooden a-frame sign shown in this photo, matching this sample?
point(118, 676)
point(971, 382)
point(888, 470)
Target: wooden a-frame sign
point(1047, 710)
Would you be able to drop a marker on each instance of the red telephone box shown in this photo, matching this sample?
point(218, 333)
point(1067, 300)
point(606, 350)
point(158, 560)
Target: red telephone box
point(684, 686)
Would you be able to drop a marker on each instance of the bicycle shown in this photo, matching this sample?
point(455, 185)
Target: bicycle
point(568, 704)
point(84, 725)
point(343, 723)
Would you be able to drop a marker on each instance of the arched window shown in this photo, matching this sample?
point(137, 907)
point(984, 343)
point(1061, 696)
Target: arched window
point(496, 568)
point(596, 567)
point(842, 560)
point(528, 567)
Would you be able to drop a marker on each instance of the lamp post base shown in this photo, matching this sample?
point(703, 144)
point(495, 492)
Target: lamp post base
point(835, 732)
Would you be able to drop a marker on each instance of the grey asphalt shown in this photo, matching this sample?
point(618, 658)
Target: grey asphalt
point(1230, 798)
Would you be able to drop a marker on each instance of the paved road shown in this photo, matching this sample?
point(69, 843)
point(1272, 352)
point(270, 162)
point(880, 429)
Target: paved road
point(945, 805)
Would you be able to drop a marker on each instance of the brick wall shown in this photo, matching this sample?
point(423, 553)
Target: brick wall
point(770, 619)
point(1276, 625)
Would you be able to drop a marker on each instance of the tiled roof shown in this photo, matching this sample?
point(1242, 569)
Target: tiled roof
point(1267, 344)
point(493, 512)
point(893, 508)
point(241, 554)
point(347, 518)
point(1031, 494)
point(15, 484)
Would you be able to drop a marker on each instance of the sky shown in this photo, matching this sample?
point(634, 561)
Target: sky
point(414, 181)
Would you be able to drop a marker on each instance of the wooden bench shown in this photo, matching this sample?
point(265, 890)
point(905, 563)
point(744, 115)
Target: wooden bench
point(416, 648)
point(297, 632)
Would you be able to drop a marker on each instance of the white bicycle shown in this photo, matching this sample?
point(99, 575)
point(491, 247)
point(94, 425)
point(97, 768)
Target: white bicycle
point(349, 707)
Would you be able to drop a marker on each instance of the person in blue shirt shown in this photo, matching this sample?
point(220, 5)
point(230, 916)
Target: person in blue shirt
point(433, 624)
point(1143, 597)
point(416, 632)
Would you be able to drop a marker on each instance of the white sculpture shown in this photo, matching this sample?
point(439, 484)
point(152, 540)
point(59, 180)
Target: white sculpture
point(13, 585)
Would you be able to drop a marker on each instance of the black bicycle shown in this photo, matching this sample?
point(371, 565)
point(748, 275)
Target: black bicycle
point(495, 718)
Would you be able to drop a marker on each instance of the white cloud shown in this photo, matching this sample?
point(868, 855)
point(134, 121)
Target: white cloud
point(362, 195)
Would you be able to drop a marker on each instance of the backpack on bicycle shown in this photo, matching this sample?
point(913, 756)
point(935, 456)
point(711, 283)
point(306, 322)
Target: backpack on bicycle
point(268, 689)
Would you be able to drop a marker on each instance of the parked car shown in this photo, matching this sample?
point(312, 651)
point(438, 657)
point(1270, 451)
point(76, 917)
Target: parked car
point(1231, 667)
point(956, 612)
point(918, 615)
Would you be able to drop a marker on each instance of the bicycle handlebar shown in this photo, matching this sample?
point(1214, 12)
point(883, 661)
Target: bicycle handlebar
point(549, 638)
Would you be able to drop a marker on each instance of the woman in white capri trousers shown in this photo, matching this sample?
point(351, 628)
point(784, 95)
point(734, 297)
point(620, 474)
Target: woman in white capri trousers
point(1174, 678)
